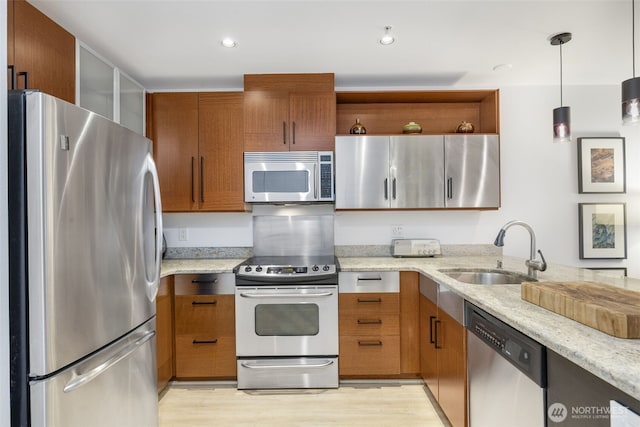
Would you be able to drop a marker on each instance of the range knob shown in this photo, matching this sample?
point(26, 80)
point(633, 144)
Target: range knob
point(325, 268)
point(315, 268)
point(258, 269)
point(247, 268)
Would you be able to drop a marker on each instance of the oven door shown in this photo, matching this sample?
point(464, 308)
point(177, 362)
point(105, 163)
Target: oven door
point(286, 321)
point(281, 177)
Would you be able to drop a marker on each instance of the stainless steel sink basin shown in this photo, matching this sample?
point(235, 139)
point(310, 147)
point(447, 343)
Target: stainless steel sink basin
point(487, 276)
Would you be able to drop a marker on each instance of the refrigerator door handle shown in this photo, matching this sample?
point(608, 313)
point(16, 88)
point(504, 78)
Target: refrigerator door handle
point(153, 281)
point(81, 378)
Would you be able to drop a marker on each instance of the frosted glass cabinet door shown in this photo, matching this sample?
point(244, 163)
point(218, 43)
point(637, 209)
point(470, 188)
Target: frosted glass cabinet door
point(96, 84)
point(131, 104)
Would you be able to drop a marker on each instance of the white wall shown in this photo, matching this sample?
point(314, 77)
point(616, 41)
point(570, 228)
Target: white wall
point(539, 186)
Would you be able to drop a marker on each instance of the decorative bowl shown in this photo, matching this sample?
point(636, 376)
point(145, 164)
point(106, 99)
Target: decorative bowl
point(465, 127)
point(412, 127)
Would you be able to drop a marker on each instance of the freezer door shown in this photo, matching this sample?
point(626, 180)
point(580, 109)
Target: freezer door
point(93, 217)
point(114, 387)
point(417, 171)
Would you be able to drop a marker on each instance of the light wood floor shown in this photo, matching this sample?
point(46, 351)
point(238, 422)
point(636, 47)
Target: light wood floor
point(370, 405)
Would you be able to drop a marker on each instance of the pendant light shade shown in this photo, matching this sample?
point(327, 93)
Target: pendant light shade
point(562, 114)
point(562, 124)
point(631, 87)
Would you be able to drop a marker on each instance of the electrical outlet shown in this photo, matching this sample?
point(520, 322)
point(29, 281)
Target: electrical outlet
point(183, 234)
point(397, 231)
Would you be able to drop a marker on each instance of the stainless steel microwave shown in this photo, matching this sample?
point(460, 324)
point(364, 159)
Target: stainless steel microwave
point(289, 176)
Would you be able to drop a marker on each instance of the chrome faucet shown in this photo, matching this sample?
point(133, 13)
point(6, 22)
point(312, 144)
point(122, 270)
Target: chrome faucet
point(532, 263)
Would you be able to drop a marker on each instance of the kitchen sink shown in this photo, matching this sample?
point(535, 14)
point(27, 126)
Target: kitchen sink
point(479, 276)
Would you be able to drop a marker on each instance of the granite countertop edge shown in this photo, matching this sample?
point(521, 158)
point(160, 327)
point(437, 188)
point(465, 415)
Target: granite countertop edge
point(612, 359)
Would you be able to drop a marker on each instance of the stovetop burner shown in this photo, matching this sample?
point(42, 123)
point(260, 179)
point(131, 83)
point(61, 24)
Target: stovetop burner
point(287, 267)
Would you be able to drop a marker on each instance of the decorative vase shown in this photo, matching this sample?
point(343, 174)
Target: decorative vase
point(412, 127)
point(357, 128)
point(465, 127)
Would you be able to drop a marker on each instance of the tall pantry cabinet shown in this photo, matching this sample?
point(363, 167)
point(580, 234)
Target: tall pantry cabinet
point(198, 148)
point(40, 53)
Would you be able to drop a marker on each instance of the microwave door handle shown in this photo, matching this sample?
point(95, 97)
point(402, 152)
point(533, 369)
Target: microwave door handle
point(315, 181)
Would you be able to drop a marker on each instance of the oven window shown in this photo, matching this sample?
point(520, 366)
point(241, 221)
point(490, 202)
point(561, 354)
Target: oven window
point(281, 181)
point(287, 319)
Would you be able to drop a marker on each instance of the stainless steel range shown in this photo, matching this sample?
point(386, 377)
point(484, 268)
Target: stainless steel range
point(287, 310)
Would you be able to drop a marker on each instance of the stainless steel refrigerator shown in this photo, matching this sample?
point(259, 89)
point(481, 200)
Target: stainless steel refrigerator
point(85, 231)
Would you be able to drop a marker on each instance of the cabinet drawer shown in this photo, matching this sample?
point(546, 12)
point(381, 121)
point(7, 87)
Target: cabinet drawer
point(205, 355)
point(375, 304)
point(205, 284)
point(365, 355)
point(369, 281)
point(366, 324)
point(204, 314)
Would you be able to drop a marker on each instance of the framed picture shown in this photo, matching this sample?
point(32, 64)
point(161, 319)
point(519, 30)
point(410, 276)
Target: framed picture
point(602, 230)
point(601, 165)
point(612, 271)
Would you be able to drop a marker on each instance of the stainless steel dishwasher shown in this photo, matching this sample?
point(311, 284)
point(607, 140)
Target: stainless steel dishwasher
point(506, 372)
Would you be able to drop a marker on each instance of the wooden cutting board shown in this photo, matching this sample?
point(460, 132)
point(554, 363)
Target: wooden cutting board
point(612, 310)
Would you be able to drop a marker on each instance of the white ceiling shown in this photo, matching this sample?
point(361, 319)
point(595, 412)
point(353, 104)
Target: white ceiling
point(175, 44)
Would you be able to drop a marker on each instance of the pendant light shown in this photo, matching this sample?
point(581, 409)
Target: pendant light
point(562, 114)
point(631, 87)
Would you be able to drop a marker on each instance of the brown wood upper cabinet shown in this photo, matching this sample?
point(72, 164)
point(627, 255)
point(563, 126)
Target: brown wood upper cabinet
point(286, 112)
point(40, 53)
point(198, 150)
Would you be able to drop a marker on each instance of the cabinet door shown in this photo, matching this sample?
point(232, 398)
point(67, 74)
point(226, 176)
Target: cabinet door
point(220, 149)
point(313, 121)
point(164, 331)
point(362, 172)
point(45, 51)
point(175, 145)
point(452, 372)
point(131, 104)
point(266, 121)
point(96, 84)
point(205, 336)
point(417, 171)
point(472, 171)
point(428, 351)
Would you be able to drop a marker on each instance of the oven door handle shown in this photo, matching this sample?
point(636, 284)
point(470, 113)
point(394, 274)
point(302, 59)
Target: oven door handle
point(290, 295)
point(249, 365)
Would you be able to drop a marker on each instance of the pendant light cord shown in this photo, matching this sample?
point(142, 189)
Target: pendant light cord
point(561, 43)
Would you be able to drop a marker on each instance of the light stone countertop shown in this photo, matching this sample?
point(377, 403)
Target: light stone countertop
point(615, 360)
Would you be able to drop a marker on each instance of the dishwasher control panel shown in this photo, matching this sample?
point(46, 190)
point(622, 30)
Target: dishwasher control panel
point(524, 353)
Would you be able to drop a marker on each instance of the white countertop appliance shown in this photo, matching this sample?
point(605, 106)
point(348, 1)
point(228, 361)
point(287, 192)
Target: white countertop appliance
point(415, 248)
point(85, 226)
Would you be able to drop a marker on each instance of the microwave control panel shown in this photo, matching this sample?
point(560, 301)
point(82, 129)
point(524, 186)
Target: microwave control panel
point(325, 160)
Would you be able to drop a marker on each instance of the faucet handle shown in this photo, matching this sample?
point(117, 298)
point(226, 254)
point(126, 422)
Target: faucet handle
point(543, 266)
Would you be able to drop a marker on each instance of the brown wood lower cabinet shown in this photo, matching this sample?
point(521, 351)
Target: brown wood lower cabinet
point(443, 349)
point(164, 331)
point(205, 345)
point(369, 334)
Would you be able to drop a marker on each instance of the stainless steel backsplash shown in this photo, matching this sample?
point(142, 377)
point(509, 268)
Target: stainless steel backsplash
point(293, 230)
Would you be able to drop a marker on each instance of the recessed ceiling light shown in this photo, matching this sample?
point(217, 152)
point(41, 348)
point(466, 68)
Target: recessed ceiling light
point(229, 42)
point(387, 38)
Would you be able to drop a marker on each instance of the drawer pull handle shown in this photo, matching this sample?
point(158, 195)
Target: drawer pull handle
point(369, 343)
point(205, 341)
point(369, 321)
point(377, 300)
point(214, 281)
point(204, 302)
point(364, 278)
